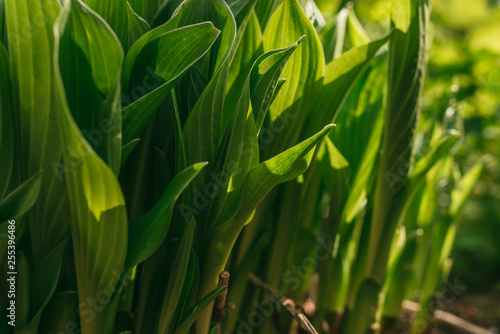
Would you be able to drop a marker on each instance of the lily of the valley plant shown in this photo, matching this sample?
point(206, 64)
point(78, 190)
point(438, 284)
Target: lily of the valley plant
point(147, 146)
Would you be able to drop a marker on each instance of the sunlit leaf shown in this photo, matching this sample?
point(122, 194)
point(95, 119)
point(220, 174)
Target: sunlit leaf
point(34, 91)
point(159, 66)
point(99, 220)
point(406, 64)
point(90, 60)
point(204, 124)
point(340, 76)
point(303, 71)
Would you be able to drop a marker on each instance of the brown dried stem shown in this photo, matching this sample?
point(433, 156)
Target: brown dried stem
point(220, 302)
point(287, 303)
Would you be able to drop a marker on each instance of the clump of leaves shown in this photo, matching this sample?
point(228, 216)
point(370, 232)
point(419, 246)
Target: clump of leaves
point(139, 138)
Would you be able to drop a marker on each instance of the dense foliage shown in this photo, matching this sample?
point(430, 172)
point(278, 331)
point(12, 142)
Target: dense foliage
point(147, 146)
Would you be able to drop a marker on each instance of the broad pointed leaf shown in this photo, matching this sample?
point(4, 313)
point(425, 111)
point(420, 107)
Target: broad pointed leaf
point(174, 288)
point(340, 76)
point(162, 61)
point(90, 60)
point(127, 25)
point(464, 187)
point(148, 231)
point(19, 201)
point(43, 282)
point(33, 81)
point(6, 120)
point(60, 314)
point(266, 80)
point(136, 48)
point(98, 220)
point(303, 71)
point(249, 49)
point(128, 148)
point(191, 315)
point(406, 64)
point(240, 150)
point(279, 169)
point(203, 129)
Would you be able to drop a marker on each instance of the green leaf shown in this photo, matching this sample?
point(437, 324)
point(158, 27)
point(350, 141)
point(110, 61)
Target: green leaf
point(239, 154)
point(359, 139)
point(279, 85)
point(163, 60)
point(175, 282)
point(31, 75)
point(249, 49)
point(90, 61)
point(335, 173)
point(401, 13)
point(406, 68)
point(19, 201)
point(44, 278)
point(127, 25)
point(367, 296)
point(279, 169)
point(43, 282)
point(355, 31)
point(265, 81)
point(264, 177)
point(2, 21)
point(463, 188)
point(98, 216)
point(203, 128)
point(137, 6)
point(340, 76)
point(313, 13)
point(6, 121)
point(189, 286)
point(219, 13)
point(241, 9)
point(150, 9)
point(265, 9)
point(190, 316)
point(33, 82)
point(148, 231)
point(190, 89)
point(303, 71)
point(23, 291)
point(128, 148)
point(60, 314)
point(437, 151)
point(340, 33)
point(258, 183)
point(136, 48)
point(240, 150)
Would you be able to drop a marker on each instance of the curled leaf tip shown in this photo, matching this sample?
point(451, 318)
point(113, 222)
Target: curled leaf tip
point(210, 24)
point(329, 126)
point(300, 40)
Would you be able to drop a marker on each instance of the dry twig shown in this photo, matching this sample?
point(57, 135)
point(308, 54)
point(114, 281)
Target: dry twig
point(220, 301)
point(287, 303)
point(448, 318)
